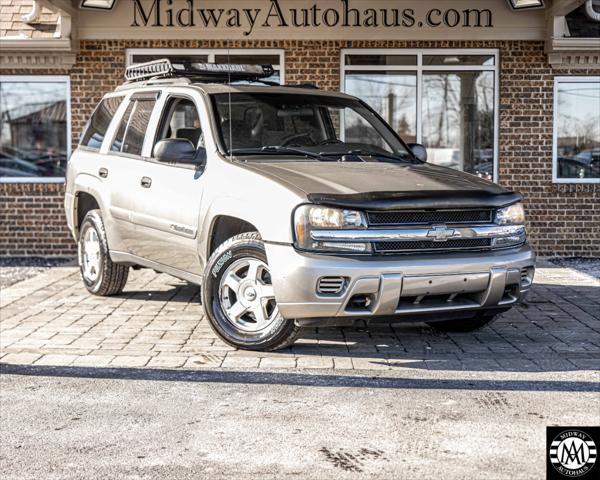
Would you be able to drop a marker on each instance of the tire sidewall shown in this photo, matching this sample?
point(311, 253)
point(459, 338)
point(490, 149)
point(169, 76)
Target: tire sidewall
point(92, 220)
point(229, 252)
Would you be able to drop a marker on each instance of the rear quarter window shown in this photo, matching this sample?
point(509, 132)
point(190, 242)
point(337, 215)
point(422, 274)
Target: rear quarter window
point(93, 134)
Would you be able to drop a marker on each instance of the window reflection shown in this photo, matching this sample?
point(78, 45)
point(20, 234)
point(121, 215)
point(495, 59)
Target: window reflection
point(458, 120)
point(33, 128)
point(578, 130)
point(392, 94)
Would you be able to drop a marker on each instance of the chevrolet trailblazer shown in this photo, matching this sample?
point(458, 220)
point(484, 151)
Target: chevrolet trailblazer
point(290, 206)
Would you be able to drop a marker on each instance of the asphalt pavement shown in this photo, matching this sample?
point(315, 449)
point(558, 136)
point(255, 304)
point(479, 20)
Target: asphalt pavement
point(77, 422)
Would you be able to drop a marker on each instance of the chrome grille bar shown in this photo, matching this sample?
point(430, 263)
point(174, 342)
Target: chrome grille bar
point(434, 233)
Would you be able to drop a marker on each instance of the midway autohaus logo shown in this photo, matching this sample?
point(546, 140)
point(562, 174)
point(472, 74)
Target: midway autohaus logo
point(572, 452)
point(278, 14)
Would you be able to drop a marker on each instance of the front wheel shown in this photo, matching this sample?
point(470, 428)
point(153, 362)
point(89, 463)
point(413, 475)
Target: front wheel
point(238, 298)
point(480, 320)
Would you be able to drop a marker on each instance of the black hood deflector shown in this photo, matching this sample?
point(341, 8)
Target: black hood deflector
point(421, 200)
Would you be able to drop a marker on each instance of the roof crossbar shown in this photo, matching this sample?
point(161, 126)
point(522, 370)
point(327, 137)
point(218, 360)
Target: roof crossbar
point(164, 68)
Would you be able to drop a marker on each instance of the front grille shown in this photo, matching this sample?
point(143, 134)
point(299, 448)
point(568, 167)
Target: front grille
point(424, 217)
point(331, 285)
point(426, 245)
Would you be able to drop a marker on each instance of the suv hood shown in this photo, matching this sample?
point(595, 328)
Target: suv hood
point(376, 185)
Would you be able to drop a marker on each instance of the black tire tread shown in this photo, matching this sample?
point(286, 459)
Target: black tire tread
point(250, 238)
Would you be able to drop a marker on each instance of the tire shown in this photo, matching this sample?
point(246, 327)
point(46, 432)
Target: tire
point(238, 300)
point(100, 275)
point(464, 324)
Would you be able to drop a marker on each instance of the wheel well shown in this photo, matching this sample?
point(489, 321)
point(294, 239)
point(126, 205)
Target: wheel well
point(85, 203)
point(225, 227)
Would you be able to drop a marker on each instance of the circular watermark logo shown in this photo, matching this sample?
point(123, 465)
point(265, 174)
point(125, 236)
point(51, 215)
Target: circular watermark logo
point(573, 453)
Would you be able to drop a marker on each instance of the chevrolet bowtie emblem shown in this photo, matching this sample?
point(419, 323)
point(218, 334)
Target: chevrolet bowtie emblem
point(440, 233)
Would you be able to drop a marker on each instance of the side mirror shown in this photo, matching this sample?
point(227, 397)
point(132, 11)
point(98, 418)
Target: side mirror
point(419, 151)
point(178, 150)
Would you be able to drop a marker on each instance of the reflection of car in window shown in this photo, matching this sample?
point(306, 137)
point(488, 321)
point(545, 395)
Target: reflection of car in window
point(585, 164)
point(292, 207)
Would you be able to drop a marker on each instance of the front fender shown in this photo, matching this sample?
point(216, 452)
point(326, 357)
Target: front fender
point(272, 220)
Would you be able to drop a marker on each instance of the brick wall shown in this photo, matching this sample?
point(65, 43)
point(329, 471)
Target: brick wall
point(32, 220)
point(563, 219)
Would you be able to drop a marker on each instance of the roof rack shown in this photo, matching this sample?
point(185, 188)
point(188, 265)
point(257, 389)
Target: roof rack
point(213, 72)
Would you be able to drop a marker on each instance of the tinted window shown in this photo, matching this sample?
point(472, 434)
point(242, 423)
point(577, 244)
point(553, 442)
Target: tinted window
point(98, 124)
point(118, 140)
point(136, 130)
point(131, 132)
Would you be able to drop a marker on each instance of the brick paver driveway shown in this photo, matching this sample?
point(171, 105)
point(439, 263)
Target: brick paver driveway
point(158, 322)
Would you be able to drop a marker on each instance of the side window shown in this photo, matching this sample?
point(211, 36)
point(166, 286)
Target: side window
point(118, 140)
point(181, 120)
point(98, 125)
point(131, 132)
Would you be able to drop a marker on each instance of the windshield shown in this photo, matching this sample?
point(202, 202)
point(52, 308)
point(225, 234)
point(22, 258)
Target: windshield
point(313, 126)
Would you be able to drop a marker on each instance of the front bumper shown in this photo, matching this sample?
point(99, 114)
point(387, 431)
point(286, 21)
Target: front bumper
point(399, 285)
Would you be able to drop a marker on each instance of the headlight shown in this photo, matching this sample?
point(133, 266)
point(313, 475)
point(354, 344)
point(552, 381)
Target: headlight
point(315, 217)
point(511, 215)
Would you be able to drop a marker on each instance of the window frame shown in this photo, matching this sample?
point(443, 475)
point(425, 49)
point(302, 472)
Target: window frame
point(557, 81)
point(419, 69)
point(44, 79)
point(211, 53)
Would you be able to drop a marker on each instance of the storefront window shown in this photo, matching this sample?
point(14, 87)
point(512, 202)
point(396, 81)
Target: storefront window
point(444, 99)
point(458, 120)
point(252, 56)
point(576, 130)
point(34, 128)
point(392, 94)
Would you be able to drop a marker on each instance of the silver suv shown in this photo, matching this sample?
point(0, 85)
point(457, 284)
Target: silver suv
point(290, 206)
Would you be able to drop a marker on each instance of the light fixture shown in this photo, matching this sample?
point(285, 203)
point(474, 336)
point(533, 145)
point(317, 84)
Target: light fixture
point(98, 4)
point(526, 4)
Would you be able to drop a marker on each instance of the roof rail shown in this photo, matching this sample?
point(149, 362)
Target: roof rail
point(214, 72)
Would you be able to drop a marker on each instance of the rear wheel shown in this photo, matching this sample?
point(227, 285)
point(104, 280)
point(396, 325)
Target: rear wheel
point(100, 275)
point(238, 297)
point(464, 324)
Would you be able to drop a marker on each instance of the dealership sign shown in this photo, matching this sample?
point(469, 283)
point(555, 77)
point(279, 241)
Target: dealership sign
point(271, 14)
point(312, 20)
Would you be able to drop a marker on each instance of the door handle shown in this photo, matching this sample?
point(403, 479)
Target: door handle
point(146, 182)
point(103, 172)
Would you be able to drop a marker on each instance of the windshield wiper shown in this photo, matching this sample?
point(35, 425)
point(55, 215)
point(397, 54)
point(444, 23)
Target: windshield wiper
point(368, 153)
point(277, 149)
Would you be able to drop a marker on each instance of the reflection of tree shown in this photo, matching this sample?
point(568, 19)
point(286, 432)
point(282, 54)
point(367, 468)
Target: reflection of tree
point(392, 95)
point(579, 118)
point(458, 118)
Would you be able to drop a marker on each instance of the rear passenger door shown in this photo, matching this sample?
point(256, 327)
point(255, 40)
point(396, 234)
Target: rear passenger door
point(168, 203)
point(122, 166)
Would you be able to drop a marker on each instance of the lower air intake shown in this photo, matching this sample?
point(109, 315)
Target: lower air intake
point(331, 285)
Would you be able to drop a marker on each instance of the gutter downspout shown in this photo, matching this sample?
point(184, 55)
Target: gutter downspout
point(34, 15)
point(63, 25)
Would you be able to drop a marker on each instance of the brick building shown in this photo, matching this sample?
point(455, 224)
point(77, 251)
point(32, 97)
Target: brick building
point(512, 95)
